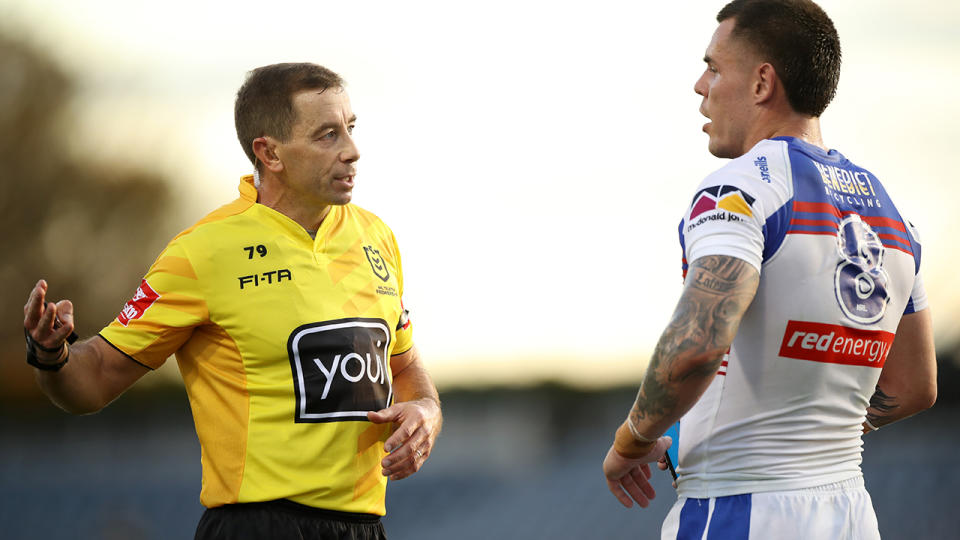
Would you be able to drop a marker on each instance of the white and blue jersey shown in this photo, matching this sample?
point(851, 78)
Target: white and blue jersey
point(838, 268)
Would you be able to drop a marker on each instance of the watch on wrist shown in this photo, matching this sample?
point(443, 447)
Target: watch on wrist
point(34, 361)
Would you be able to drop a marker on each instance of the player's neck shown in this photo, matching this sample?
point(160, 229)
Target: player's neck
point(805, 128)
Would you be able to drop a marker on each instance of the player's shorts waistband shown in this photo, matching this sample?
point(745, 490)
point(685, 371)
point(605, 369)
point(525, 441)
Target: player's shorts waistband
point(843, 485)
point(284, 505)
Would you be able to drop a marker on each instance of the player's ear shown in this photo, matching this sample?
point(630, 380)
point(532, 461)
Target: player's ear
point(265, 148)
point(765, 83)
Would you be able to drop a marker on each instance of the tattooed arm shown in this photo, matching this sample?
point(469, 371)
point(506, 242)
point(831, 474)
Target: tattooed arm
point(716, 293)
point(908, 382)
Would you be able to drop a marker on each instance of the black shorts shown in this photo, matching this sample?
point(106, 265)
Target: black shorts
point(283, 520)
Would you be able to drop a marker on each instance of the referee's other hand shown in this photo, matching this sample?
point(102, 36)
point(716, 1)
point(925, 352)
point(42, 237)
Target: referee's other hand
point(415, 428)
point(49, 324)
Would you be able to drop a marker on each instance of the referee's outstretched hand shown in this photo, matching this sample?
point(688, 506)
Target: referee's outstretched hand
point(416, 425)
point(629, 479)
point(47, 323)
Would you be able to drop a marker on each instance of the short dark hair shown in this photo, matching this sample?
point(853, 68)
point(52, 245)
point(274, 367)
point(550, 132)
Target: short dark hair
point(799, 40)
point(264, 103)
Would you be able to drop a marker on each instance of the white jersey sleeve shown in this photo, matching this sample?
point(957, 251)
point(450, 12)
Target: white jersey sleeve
point(729, 213)
point(918, 296)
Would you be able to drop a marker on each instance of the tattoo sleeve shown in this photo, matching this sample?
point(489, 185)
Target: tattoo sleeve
point(717, 292)
point(882, 409)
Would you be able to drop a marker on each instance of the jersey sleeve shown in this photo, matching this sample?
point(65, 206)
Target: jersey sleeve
point(403, 341)
point(163, 312)
point(728, 214)
point(918, 295)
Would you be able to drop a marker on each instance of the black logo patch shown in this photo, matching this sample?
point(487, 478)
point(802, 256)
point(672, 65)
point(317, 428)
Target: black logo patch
point(340, 369)
point(377, 263)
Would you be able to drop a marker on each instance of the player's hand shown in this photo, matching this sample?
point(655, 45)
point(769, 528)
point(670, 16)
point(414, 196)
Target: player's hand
point(629, 479)
point(49, 324)
point(662, 465)
point(416, 425)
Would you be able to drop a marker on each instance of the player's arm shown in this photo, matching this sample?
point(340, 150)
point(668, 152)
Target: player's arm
point(95, 373)
point(717, 292)
point(416, 416)
point(908, 381)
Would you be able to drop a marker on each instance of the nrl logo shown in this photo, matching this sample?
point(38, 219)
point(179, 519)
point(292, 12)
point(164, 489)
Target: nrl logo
point(377, 263)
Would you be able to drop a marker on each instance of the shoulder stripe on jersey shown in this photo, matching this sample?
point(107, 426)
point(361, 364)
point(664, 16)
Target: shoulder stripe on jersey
point(824, 219)
point(813, 232)
point(814, 222)
point(825, 208)
point(886, 222)
point(896, 239)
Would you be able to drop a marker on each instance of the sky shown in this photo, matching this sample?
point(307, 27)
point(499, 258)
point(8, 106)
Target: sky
point(533, 158)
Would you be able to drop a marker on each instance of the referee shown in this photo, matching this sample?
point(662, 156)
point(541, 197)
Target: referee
point(284, 310)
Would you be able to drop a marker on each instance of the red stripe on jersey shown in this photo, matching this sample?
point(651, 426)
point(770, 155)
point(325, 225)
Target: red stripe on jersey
point(892, 238)
point(884, 222)
point(826, 233)
point(820, 208)
point(814, 222)
point(888, 237)
point(827, 208)
point(895, 242)
point(723, 366)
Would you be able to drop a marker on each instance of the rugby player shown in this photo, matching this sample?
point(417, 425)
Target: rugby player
point(803, 321)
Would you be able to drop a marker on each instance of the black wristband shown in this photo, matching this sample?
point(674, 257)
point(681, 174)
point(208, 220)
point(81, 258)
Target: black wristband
point(34, 361)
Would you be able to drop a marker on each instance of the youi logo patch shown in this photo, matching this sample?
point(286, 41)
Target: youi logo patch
point(340, 369)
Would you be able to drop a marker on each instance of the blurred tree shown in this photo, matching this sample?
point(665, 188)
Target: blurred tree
point(90, 229)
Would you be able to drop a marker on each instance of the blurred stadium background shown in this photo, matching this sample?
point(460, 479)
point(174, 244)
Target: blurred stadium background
point(538, 356)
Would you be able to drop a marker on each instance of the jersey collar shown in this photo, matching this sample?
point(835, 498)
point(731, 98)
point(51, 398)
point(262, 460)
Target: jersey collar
point(248, 192)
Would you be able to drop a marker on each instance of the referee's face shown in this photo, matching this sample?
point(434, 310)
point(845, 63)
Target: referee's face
point(319, 157)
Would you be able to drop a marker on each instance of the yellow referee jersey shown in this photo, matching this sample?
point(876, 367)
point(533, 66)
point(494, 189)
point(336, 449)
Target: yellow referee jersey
point(284, 344)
